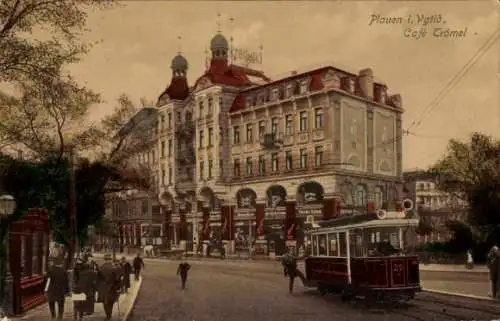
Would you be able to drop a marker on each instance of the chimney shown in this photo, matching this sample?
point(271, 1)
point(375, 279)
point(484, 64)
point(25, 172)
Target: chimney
point(366, 82)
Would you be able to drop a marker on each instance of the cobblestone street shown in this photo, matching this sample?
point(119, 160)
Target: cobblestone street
point(228, 291)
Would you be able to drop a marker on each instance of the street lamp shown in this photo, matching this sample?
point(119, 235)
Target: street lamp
point(7, 208)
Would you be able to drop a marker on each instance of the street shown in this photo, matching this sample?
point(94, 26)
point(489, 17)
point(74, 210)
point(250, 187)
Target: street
point(256, 291)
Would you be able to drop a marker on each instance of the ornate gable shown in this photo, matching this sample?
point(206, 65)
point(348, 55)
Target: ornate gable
point(331, 80)
point(203, 83)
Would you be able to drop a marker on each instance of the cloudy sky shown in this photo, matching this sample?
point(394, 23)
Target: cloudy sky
point(140, 39)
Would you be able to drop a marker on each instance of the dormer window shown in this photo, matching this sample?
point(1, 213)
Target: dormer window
point(260, 99)
point(303, 87)
point(249, 102)
point(351, 85)
point(275, 94)
point(289, 91)
point(382, 96)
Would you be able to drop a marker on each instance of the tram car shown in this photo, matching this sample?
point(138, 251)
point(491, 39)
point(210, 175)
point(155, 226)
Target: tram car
point(363, 256)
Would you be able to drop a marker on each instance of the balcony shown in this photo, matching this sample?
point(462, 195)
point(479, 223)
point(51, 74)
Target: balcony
point(271, 140)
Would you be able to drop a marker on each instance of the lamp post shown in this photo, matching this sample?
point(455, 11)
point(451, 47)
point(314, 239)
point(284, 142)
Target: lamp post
point(7, 208)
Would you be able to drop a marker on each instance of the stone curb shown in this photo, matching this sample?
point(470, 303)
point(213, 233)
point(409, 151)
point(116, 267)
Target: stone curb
point(126, 316)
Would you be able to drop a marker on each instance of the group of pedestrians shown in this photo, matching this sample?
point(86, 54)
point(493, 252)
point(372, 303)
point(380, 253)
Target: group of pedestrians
point(90, 284)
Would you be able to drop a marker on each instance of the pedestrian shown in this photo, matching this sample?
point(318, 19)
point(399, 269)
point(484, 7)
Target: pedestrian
point(469, 260)
point(109, 285)
point(138, 264)
point(127, 270)
point(85, 280)
point(290, 269)
point(182, 270)
point(492, 261)
point(57, 288)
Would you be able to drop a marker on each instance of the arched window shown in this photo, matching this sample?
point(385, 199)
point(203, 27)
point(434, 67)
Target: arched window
point(378, 197)
point(360, 196)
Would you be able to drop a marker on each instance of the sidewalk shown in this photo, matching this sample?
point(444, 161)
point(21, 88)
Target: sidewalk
point(452, 268)
point(121, 310)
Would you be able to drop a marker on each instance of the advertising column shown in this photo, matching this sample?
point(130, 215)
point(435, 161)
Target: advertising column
point(227, 211)
point(215, 231)
point(245, 222)
point(260, 236)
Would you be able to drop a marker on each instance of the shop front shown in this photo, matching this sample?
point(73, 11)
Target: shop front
point(309, 211)
point(245, 221)
point(272, 225)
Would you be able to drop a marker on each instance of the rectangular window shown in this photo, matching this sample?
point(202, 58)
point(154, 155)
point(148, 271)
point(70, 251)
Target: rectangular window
point(303, 158)
point(169, 147)
point(274, 162)
point(170, 175)
point(210, 168)
point(236, 169)
point(248, 166)
point(315, 245)
point(322, 250)
point(342, 244)
point(169, 120)
point(210, 136)
point(262, 164)
point(318, 156)
point(288, 160)
point(200, 110)
point(210, 106)
point(163, 149)
point(163, 177)
point(289, 91)
point(275, 94)
point(262, 128)
point(303, 87)
point(179, 117)
point(249, 133)
point(333, 249)
point(221, 168)
point(221, 136)
point(303, 121)
point(162, 122)
point(274, 125)
point(236, 134)
point(318, 118)
point(288, 124)
point(202, 138)
point(202, 169)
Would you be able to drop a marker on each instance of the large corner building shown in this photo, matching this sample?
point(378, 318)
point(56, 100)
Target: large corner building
point(248, 162)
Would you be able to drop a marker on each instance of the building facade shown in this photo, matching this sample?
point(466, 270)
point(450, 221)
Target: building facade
point(248, 163)
point(433, 206)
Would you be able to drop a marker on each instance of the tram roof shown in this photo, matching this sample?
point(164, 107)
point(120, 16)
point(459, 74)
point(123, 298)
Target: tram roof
point(395, 222)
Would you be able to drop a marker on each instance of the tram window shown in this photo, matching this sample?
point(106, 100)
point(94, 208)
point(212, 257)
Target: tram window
point(322, 245)
point(342, 244)
point(377, 237)
point(314, 245)
point(333, 248)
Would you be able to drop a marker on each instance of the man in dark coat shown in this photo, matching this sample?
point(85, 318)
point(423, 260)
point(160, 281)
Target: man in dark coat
point(85, 279)
point(182, 270)
point(493, 263)
point(290, 269)
point(57, 289)
point(127, 270)
point(138, 264)
point(109, 285)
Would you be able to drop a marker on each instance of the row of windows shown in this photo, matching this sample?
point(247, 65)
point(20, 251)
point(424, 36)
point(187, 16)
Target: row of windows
point(331, 244)
point(303, 162)
point(278, 93)
point(289, 127)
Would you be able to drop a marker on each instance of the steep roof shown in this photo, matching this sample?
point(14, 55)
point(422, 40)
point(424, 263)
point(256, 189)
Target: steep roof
point(177, 90)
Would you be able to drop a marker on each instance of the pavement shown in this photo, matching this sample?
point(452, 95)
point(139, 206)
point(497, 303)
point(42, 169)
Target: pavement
point(442, 279)
point(239, 291)
point(121, 311)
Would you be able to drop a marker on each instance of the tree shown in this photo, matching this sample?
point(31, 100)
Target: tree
point(45, 101)
point(470, 171)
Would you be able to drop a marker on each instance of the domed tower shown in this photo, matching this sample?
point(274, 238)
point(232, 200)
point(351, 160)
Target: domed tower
point(179, 66)
point(219, 46)
point(178, 88)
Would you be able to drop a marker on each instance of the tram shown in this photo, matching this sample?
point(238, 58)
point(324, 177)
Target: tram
point(363, 255)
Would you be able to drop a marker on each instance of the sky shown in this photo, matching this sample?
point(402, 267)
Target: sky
point(140, 38)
